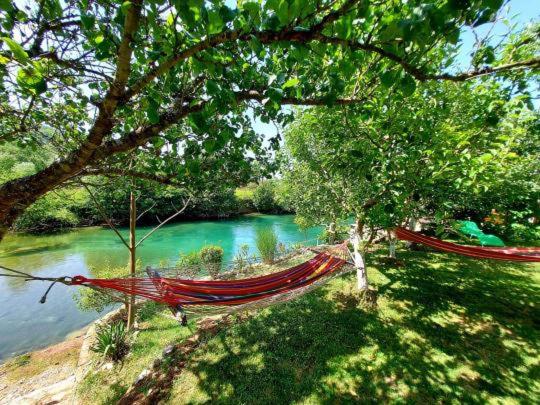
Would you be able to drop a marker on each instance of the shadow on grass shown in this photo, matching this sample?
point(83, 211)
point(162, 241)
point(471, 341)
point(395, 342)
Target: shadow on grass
point(447, 329)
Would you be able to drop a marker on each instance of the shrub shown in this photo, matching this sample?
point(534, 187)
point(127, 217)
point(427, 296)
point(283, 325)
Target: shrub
point(267, 241)
point(148, 310)
point(189, 259)
point(212, 257)
point(111, 341)
point(263, 197)
point(95, 300)
point(190, 264)
point(241, 259)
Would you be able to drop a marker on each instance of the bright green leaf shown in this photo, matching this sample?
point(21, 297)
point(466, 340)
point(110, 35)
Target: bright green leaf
point(18, 52)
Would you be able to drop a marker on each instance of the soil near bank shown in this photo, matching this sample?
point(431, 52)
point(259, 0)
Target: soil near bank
point(42, 376)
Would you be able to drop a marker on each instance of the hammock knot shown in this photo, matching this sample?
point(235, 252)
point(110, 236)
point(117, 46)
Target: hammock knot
point(78, 280)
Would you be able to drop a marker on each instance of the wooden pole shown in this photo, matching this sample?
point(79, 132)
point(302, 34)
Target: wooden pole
point(132, 255)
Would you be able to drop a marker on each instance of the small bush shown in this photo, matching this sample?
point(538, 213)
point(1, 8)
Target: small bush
point(241, 259)
point(212, 257)
point(267, 241)
point(189, 259)
point(148, 310)
point(95, 300)
point(263, 197)
point(111, 341)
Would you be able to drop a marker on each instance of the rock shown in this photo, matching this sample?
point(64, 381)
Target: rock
point(145, 373)
point(168, 350)
point(107, 366)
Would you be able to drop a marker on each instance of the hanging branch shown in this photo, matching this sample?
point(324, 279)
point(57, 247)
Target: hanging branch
point(103, 214)
point(186, 202)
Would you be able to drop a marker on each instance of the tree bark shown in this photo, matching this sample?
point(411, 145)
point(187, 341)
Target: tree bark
point(132, 256)
point(391, 244)
point(356, 240)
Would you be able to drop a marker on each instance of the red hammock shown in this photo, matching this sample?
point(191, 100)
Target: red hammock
point(175, 292)
point(512, 254)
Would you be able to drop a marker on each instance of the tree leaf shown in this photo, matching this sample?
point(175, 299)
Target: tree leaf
point(215, 23)
point(18, 51)
point(408, 85)
point(292, 82)
point(152, 111)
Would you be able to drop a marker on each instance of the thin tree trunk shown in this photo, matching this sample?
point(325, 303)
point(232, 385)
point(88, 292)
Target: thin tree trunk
point(391, 244)
point(132, 255)
point(356, 240)
point(332, 232)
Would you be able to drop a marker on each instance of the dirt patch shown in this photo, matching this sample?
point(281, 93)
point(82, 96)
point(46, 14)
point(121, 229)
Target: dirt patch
point(41, 375)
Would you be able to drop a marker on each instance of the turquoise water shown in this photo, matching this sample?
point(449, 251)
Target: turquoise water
point(25, 324)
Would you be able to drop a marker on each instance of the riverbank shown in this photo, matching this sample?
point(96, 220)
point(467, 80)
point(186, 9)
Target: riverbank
point(42, 376)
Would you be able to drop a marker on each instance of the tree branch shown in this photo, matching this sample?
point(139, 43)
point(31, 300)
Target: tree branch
point(164, 222)
point(103, 214)
point(114, 172)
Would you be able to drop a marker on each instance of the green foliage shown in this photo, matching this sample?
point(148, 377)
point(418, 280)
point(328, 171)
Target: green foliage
point(439, 155)
point(267, 242)
point(148, 310)
point(241, 258)
point(55, 211)
point(211, 254)
point(209, 259)
point(263, 197)
point(266, 198)
point(244, 195)
point(111, 341)
point(95, 300)
point(212, 258)
point(189, 259)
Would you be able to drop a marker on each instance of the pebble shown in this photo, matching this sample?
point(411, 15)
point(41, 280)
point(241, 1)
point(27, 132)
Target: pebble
point(168, 350)
point(142, 376)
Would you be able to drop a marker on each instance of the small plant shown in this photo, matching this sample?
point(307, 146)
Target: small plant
point(241, 259)
point(189, 259)
point(148, 310)
point(212, 257)
point(111, 341)
point(267, 241)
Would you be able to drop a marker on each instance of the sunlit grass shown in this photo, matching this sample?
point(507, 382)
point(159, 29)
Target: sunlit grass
point(105, 386)
point(446, 329)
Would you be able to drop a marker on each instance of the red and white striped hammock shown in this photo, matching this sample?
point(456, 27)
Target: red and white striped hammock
point(516, 254)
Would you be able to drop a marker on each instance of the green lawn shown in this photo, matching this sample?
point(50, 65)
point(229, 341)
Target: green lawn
point(447, 329)
point(102, 386)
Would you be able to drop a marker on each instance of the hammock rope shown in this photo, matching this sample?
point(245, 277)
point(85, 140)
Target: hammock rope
point(518, 254)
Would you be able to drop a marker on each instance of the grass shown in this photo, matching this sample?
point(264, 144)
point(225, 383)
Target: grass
point(447, 329)
point(102, 386)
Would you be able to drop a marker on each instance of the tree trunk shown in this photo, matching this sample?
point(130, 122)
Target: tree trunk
point(332, 233)
point(356, 240)
point(391, 244)
point(132, 255)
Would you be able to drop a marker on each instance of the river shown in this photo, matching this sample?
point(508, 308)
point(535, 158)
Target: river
point(25, 324)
